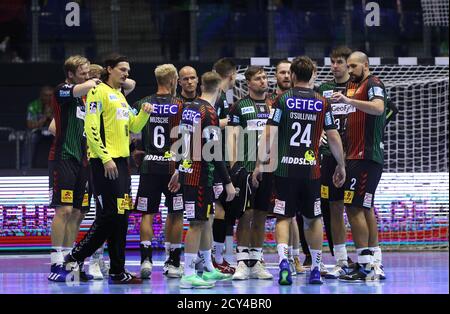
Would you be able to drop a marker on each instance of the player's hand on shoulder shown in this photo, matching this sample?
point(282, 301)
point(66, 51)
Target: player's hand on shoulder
point(147, 107)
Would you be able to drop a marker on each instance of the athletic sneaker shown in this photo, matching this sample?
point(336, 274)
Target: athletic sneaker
point(215, 275)
point(285, 278)
point(146, 270)
point(95, 270)
point(124, 278)
point(298, 266)
point(195, 282)
point(340, 269)
point(360, 274)
point(242, 272)
point(292, 267)
point(61, 273)
point(379, 270)
point(315, 277)
point(225, 267)
point(259, 271)
point(174, 272)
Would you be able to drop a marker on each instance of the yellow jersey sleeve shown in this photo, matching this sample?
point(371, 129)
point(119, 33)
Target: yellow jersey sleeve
point(94, 108)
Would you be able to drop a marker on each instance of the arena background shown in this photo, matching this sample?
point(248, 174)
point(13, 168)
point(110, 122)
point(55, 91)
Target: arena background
point(409, 51)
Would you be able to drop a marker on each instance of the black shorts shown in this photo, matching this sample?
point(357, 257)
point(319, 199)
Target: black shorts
point(69, 184)
point(361, 182)
point(148, 198)
point(112, 196)
point(198, 202)
point(328, 192)
point(294, 195)
point(260, 198)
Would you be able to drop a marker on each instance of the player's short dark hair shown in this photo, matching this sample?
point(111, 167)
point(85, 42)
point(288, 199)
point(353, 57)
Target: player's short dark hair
point(341, 52)
point(303, 67)
point(252, 71)
point(111, 61)
point(210, 81)
point(281, 62)
point(225, 67)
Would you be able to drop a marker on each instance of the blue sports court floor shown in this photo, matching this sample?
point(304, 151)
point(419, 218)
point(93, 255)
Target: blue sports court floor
point(407, 272)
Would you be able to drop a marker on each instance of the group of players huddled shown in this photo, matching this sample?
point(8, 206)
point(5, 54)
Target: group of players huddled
point(297, 155)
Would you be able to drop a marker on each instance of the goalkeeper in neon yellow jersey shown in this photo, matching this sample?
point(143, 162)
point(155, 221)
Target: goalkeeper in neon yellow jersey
point(109, 120)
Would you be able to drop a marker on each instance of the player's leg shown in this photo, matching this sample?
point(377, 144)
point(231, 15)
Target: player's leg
point(261, 206)
point(197, 215)
point(148, 200)
point(61, 183)
point(243, 232)
point(303, 243)
point(311, 212)
point(284, 209)
point(374, 246)
point(210, 273)
point(294, 239)
point(257, 237)
point(174, 231)
point(219, 228)
point(362, 179)
point(145, 245)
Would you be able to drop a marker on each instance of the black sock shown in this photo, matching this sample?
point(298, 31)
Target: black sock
point(146, 253)
point(174, 257)
point(252, 262)
point(219, 230)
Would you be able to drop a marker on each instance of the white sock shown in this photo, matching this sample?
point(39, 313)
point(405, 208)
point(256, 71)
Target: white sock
point(364, 259)
point(174, 246)
point(295, 252)
point(146, 243)
point(206, 257)
point(340, 253)
point(167, 249)
point(218, 252)
point(377, 257)
point(255, 253)
point(316, 256)
point(242, 253)
point(282, 249)
point(57, 257)
point(189, 264)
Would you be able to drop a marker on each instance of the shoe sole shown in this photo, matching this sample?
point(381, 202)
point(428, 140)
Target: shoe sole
point(261, 278)
point(316, 282)
point(189, 286)
point(284, 278)
point(356, 281)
